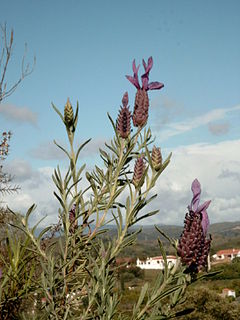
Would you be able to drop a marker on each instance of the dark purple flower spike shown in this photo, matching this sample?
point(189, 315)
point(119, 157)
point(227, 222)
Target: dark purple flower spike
point(141, 105)
point(193, 246)
point(124, 118)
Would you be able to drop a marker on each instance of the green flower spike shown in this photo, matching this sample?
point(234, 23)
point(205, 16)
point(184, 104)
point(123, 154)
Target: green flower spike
point(156, 158)
point(68, 114)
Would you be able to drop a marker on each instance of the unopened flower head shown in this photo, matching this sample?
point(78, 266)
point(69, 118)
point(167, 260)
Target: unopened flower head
point(72, 219)
point(124, 118)
point(68, 114)
point(139, 170)
point(194, 247)
point(141, 105)
point(156, 158)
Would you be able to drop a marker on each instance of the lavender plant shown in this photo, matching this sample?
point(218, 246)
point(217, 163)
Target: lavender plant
point(75, 274)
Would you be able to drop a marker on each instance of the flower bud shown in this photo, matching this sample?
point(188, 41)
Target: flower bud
point(138, 174)
point(125, 99)
point(88, 176)
point(124, 119)
point(156, 158)
point(72, 219)
point(68, 114)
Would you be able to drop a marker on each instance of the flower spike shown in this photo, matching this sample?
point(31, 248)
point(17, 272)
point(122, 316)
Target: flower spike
point(141, 105)
point(194, 247)
point(139, 170)
point(124, 118)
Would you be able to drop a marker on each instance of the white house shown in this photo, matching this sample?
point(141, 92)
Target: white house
point(156, 262)
point(228, 293)
point(227, 254)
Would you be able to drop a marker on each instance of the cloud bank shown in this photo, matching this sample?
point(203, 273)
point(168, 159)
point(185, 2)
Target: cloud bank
point(216, 166)
point(208, 118)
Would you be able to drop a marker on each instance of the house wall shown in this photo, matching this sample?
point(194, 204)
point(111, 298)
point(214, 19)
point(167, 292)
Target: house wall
point(152, 263)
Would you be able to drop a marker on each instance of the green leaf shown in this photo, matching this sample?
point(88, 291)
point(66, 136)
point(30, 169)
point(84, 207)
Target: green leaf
point(112, 148)
point(147, 215)
point(142, 296)
point(182, 313)
point(81, 147)
point(60, 147)
point(60, 200)
point(114, 128)
point(209, 275)
point(45, 230)
point(58, 112)
point(165, 294)
point(30, 210)
point(76, 116)
point(165, 236)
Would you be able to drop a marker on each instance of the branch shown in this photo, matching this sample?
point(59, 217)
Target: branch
point(6, 55)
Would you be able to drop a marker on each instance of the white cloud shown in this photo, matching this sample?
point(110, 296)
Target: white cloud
point(49, 151)
point(205, 162)
point(36, 187)
point(18, 114)
point(176, 128)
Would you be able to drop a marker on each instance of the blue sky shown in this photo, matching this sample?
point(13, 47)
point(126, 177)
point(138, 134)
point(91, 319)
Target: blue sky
point(84, 49)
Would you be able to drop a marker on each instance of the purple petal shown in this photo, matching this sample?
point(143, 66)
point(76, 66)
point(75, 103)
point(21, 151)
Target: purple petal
point(135, 69)
point(147, 67)
point(204, 206)
point(135, 72)
point(133, 81)
point(144, 65)
point(196, 189)
point(155, 85)
point(150, 64)
point(145, 76)
point(205, 222)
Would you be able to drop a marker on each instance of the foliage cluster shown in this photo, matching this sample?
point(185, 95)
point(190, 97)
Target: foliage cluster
point(208, 305)
point(228, 270)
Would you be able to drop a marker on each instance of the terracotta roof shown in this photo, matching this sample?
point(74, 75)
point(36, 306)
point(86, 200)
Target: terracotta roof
point(226, 289)
point(161, 258)
point(228, 251)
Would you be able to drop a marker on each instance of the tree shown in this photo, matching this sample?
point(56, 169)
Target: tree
point(6, 54)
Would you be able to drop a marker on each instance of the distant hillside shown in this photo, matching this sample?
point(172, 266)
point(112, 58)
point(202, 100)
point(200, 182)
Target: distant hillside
point(225, 235)
point(228, 229)
point(223, 229)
